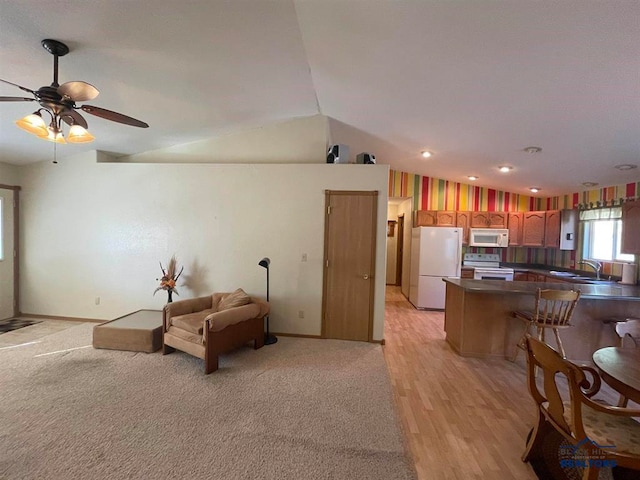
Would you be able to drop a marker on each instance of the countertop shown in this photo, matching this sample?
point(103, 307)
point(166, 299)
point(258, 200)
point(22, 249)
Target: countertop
point(603, 292)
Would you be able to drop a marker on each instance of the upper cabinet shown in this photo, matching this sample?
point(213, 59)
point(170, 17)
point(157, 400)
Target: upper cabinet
point(446, 218)
point(488, 219)
point(463, 221)
point(552, 229)
point(515, 220)
point(426, 218)
point(533, 229)
point(543, 229)
point(631, 227)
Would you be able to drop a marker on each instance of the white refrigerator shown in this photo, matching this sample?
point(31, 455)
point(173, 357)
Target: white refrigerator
point(435, 253)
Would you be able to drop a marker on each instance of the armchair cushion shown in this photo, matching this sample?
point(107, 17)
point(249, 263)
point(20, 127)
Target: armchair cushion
point(217, 321)
point(235, 299)
point(191, 322)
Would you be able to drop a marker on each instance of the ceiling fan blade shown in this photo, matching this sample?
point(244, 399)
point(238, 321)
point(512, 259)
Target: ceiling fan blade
point(16, 99)
point(71, 117)
point(19, 86)
point(113, 116)
point(78, 91)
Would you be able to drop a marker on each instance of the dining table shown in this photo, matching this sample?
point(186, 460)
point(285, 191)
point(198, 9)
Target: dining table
point(620, 369)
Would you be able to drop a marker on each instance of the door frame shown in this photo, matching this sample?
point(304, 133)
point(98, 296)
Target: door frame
point(16, 246)
point(399, 249)
point(374, 229)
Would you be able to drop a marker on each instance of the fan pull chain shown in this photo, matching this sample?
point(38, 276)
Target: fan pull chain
point(55, 152)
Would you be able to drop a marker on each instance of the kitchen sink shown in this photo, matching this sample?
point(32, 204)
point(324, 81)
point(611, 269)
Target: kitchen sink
point(592, 279)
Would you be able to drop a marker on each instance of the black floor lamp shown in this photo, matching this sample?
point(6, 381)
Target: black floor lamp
point(268, 338)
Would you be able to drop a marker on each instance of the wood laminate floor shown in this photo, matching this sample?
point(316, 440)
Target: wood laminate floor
point(464, 418)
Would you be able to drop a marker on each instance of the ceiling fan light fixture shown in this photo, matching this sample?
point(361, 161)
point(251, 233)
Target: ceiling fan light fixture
point(33, 123)
point(78, 134)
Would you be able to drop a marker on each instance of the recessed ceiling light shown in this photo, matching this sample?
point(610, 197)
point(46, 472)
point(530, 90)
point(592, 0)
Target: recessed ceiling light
point(589, 184)
point(472, 177)
point(505, 169)
point(535, 189)
point(532, 149)
point(426, 154)
point(626, 166)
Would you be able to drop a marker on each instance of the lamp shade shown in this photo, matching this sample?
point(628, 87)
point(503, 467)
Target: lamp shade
point(52, 136)
point(33, 123)
point(78, 134)
point(264, 262)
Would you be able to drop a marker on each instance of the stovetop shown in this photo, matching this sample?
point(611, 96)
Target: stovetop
point(484, 260)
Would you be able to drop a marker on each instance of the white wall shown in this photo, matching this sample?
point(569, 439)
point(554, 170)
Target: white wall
point(406, 208)
point(302, 140)
point(99, 229)
point(8, 174)
point(392, 246)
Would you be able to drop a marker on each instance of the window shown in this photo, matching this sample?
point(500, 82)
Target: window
point(602, 239)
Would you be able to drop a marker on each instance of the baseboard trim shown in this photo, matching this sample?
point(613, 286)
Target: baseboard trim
point(298, 335)
point(317, 337)
point(55, 317)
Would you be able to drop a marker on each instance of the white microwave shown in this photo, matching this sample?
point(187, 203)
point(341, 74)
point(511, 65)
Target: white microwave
point(488, 237)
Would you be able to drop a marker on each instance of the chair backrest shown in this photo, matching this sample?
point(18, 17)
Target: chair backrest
point(555, 307)
point(629, 330)
point(541, 355)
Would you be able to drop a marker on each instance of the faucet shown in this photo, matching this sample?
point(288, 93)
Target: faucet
point(596, 265)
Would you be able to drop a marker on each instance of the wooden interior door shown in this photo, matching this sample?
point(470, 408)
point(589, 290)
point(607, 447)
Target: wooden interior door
point(8, 261)
point(349, 256)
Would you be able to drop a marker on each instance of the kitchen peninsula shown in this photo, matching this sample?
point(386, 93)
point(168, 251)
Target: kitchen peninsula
point(479, 322)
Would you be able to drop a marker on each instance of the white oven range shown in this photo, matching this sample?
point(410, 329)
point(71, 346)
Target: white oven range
point(486, 266)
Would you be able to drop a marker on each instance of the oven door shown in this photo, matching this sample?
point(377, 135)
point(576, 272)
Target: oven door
point(492, 274)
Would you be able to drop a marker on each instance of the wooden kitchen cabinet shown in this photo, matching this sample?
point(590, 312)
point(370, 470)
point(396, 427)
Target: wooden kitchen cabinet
point(488, 219)
point(466, 273)
point(480, 220)
point(631, 227)
point(552, 229)
point(426, 218)
point(463, 221)
point(514, 223)
point(533, 229)
point(521, 276)
point(446, 218)
point(498, 219)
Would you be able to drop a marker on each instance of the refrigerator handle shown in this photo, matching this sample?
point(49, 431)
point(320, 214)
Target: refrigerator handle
point(459, 250)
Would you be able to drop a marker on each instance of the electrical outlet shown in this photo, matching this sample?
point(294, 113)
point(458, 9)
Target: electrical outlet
point(97, 300)
point(304, 257)
point(300, 313)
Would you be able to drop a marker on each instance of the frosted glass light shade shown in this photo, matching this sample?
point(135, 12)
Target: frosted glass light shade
point(54, 137)
point(33, 123)
point(78, 134)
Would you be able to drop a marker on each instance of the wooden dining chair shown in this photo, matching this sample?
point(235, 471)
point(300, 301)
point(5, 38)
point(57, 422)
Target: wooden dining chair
point(552, 309)
point(629, 334)
point(594, 430)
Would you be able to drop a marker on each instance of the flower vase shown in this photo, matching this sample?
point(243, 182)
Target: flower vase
point(169, 296)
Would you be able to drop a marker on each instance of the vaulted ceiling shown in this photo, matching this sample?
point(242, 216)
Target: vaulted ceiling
point(474, 82)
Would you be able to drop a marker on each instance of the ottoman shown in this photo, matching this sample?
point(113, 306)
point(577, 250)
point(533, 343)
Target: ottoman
point(139, 331)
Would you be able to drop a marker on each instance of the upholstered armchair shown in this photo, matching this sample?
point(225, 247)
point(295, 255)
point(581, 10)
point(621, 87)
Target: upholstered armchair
point(207, 326)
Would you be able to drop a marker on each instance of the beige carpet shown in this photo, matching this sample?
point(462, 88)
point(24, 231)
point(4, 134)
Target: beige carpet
point(299, 409)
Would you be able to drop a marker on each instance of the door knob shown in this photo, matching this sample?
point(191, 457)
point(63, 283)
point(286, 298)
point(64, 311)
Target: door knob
point(365, 276)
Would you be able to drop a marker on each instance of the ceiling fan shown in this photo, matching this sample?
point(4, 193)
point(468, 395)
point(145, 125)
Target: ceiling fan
point(59, 101)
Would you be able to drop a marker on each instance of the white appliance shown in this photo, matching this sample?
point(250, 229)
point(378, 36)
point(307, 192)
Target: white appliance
point(435, 253)
point(488, 237)
point(486, 266)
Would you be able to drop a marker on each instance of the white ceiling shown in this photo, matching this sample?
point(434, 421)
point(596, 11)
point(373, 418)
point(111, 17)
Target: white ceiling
point(473, 81)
